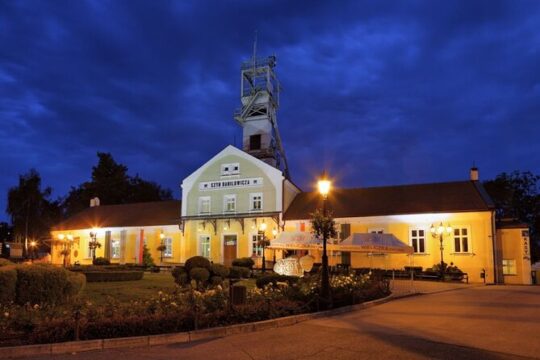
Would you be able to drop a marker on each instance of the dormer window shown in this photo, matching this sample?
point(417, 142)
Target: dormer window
point(230, 169)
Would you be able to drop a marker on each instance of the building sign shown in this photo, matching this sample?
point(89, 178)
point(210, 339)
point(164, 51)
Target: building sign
point(526, 248)
point(230, 184)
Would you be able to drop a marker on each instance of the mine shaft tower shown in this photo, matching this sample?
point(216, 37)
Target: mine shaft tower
point(259, 93)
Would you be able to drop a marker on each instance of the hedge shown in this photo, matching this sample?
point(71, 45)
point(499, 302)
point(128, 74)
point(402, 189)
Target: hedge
point(5, 262)
point(42, 284)
point(103, 276)
point(8, 282)
point(246, 262)
point(237, 272)
point(197, 262)
point(273, 279)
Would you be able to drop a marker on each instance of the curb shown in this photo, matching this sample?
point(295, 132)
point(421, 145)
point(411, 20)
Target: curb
point(175, 338)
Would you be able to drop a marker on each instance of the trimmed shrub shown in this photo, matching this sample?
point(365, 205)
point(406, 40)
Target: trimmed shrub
point(75, 285)
point(180, 275)
point(8, 282)
point(220, 270)
point(197, 262)
point(238, 272)
point(105, 276)
point(216, 280)
point(246, 262)
point(273, 279)
point(199, 274)
point(5, 262)
point(41, 284)
point(101, 261)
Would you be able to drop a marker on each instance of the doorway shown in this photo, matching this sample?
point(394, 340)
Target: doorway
point(229, 249)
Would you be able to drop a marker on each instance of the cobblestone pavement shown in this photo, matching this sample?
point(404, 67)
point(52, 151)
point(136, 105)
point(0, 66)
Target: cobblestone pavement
point(477, 322)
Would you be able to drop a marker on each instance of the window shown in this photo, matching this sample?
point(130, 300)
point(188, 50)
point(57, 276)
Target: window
point(168, 247)
point(229, 203)
point(255, 142)
point(115, 249)
point(418, 240)
point(461, 240)
point(230, 169)
point(256, 250)
point(204, 243)
point(204, 205)
point(509, 267)
point(255, 202)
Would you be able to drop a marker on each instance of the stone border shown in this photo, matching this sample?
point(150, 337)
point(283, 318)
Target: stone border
point(176, 338)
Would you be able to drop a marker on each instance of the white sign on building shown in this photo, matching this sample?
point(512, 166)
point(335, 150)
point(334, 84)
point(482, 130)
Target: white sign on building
point(230, 184)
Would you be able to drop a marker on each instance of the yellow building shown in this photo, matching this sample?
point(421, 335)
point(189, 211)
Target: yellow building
point(121, 231)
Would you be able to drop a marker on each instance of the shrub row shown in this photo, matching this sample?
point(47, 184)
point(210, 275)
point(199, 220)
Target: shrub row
point(274, 278)
point(201, 270)
point(38, 284)
point(111, 275)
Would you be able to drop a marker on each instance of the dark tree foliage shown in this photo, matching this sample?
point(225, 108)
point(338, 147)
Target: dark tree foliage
point(31, 210)
point(111, 183)
point(516, 196)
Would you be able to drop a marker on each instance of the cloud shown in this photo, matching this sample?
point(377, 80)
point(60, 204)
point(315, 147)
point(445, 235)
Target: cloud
point(383, 92)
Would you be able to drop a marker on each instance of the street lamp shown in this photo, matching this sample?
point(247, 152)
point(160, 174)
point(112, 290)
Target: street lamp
point(262, 242)
point(162, 246)
point(438, 232)
point(324, 186)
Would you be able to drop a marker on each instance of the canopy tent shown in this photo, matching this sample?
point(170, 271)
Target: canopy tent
point(373, 243)
point(296, 240)
point(357, 242)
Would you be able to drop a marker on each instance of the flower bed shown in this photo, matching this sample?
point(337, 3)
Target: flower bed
point(183, 309)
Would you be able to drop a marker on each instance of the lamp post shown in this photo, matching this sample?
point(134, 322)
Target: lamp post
point(438, 232)
point(274, 234)
point(94, 244)
point(33, 245)
point(324, 186)
point(162, 246)
point(262, 242)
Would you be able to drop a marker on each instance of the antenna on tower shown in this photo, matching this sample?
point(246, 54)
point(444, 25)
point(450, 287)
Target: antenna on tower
point(255, 52)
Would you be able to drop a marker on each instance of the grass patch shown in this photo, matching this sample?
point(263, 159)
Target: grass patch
point(125, 291)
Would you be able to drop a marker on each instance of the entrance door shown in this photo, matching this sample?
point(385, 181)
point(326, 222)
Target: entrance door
point(229, 249)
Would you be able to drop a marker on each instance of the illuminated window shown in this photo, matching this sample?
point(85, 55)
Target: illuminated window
point(229, 203)
point(461, 240)
point(168, 247)
point(115, 249)
point(204, 244)
point(256, 248)
point(509, 267)
point(255, 202)
point(204, 205)
point(418, 240)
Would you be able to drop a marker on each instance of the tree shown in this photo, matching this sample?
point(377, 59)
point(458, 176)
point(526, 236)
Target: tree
point(148, 261)
point(111, 183)
point(32, 212)
point(516, 195)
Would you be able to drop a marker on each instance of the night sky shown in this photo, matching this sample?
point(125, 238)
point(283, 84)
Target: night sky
point(379, 93)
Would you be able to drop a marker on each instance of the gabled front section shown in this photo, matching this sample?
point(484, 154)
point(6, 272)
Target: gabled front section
point(229, 203)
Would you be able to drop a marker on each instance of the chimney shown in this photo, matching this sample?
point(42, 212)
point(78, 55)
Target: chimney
point(474, 173)
point(94, 202)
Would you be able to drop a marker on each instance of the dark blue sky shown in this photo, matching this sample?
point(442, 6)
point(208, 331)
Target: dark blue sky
point(379, 92)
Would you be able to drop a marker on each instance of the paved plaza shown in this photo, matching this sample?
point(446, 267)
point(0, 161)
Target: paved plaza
point(451, 322)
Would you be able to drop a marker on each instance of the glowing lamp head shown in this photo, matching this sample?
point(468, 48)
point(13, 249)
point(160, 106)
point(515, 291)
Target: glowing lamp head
point(324, 185)
point(274, 232)
point(69, 237)
point(449, 229)
point(440, 229)
point(433, 230)
point(262, 227)
point(33, 243)
point(162, 236)
point(61, 237)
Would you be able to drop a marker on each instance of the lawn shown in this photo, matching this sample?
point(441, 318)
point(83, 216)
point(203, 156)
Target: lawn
point(125, 291)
